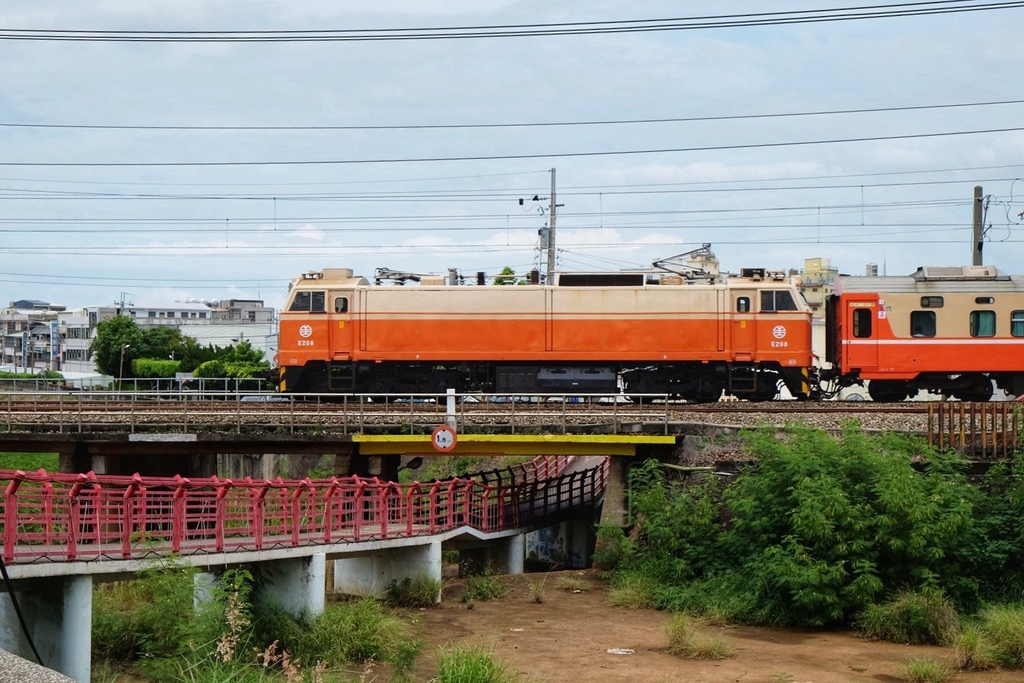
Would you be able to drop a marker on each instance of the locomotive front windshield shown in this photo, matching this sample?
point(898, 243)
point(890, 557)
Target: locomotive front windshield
point(777, 300)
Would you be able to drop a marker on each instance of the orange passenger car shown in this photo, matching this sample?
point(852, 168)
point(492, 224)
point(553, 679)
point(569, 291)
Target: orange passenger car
point(951, 330)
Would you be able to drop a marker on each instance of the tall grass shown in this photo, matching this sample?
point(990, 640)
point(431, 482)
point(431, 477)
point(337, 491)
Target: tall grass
point(925, 670)
point(685, 640)
point(423, 591)
point(470, 664)
point(994, 639)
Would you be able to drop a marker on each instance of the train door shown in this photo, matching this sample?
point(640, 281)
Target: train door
point(744, 338)
point(860, 331)
point(341, 307)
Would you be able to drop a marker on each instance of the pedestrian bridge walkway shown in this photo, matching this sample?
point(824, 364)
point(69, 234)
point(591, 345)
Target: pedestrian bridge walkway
point(63, 532)
point(50, 518)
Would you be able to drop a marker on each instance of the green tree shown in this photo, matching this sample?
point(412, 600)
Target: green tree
point(508, 277)
point(163, 342)
point(118, 342)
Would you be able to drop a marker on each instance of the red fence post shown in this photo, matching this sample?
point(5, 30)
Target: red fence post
point(11, 515)
point(178, 526)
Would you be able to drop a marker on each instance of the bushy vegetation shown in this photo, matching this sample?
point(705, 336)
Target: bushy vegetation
point(30, 462)
point(151, 626)
point(916, 618)
point(823, 530)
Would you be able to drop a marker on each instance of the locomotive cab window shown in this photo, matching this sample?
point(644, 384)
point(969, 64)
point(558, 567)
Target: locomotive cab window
point(983, 323)
point(777, 300)
point(922, 323)
point(1017, 324)
point(862, 322)
point(311, 302)
point(341, 304)
point(743, 304)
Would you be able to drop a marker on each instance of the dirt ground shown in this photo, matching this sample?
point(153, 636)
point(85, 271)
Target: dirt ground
point(568, 636)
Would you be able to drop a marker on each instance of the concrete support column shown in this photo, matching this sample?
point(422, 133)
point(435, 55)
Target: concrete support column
point(297, 584)
point(580, 532)
point(613, 510)
point(507, 555)
point(370, 575)
point(58, 613)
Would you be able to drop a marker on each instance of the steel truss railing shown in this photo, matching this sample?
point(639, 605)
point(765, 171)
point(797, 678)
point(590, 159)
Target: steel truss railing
point(90, 517)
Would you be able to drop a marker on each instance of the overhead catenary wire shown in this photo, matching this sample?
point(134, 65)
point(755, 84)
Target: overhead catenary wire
point(508, 157)
point(721, 21)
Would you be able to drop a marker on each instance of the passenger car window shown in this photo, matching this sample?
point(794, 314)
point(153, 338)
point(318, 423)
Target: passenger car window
point(862, 322)
point(983, 323)
point(743, 304)
point(1017, 323)
point(341, 304)
point(922, 323)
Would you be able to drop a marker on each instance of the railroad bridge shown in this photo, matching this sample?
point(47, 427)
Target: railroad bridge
point(138, 483)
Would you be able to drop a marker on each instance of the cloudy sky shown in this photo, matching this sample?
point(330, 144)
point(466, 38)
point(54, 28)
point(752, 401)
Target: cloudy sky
point(175, 168)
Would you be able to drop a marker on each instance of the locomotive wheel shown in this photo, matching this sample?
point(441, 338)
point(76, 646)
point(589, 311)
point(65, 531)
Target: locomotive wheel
point(887, 391)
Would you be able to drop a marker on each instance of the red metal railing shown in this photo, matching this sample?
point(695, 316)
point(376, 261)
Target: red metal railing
point(69, 517)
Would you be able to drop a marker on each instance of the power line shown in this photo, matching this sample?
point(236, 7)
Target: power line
point(505, 157)
point(535, 124)
point(758, 19)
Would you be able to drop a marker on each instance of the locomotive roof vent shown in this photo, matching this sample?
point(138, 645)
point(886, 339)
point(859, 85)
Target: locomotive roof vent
point(752, 273)
point(950, 273)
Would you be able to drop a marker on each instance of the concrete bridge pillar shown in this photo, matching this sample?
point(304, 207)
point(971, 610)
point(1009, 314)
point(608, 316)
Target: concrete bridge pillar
point(370, 575)
point(613, 509)
point(58, 613)
point(298, 584)
point(508, 555)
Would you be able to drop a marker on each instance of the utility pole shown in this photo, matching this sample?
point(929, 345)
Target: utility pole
point(553, 207)
point(979, 233)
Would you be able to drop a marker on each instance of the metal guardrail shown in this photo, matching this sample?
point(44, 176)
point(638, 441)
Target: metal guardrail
point(988, 430)
point(89, 517)
point(192, 412)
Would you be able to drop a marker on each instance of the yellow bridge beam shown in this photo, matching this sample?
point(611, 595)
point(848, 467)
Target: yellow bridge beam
point(509, 444)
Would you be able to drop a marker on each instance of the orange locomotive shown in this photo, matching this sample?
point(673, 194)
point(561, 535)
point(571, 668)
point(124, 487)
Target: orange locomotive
point(950, 330)
point(648, 333)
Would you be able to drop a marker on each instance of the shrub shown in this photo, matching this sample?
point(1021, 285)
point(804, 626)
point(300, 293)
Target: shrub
point(686, 641)
point(916, 618)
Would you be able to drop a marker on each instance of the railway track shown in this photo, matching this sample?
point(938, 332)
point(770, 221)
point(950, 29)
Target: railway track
point(954, 423)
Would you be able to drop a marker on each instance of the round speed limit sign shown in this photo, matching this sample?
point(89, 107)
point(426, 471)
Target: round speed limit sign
point(443, 438)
